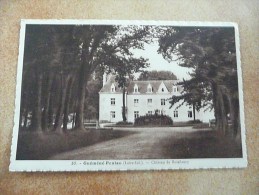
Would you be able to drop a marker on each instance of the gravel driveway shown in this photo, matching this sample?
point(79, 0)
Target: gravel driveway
point(145, 143)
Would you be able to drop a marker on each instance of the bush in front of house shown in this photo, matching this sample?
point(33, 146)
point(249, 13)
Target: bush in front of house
point(153, 120)
point(121, 123)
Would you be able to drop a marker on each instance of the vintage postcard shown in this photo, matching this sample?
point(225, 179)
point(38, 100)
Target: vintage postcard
point(105, 95)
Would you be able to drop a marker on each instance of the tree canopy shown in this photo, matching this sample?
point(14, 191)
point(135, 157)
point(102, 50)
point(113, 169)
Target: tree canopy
point(59, 61)
point(157, 75)
point(211, 53)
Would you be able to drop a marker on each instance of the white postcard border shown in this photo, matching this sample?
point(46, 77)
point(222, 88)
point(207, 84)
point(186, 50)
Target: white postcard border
point(133, 164)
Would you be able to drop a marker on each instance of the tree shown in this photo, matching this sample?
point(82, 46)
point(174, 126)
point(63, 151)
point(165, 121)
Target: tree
point(107, 46)
point(92, 97)
point(121, 60)
point(41, 52)
point(210, 52)
point(123, 73)
point(195, 94)
point(156, 75)
point(59, 61)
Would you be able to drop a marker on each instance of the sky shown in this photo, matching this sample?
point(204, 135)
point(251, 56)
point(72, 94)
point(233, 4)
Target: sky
point(157, 62)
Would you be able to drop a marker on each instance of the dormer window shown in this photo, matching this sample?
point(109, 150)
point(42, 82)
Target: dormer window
point(135, 88)
point(149, 88)
point(113, 88)
point(162, 88)
point(175, 89)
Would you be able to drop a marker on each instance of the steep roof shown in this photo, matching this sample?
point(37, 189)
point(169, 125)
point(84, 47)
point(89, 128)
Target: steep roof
point(142, 85)
point(107, 87)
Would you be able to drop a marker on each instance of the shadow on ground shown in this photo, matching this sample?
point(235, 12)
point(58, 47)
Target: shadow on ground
point(35, 146)
point(201, 144)
point(146, 143)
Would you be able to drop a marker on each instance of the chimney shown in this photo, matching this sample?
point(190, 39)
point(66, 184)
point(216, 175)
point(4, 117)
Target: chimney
point(104, 78)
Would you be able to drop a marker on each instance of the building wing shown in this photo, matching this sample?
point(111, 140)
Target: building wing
point(107, 87)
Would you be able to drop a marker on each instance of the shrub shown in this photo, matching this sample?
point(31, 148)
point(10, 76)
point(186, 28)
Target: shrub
point(124, 123)
point(153, 120)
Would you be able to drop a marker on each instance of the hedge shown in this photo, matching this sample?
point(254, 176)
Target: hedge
point(153, 120)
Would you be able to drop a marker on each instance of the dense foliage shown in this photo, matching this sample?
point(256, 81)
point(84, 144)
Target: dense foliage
point(210, 52)
point(153, 120)
point(63, 67)
point(157, 75)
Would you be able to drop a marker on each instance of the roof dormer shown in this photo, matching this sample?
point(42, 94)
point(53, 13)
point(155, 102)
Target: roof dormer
point(162, 88)
point(175, 89)
point(113, 88)
point(149, 88)
point(135, 88)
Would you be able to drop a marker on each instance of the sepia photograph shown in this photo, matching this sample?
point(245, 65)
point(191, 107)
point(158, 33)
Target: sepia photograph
point(128, 95)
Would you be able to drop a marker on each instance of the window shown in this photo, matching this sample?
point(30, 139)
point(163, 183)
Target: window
point(162, 89)
point(135, 88)
point(136, 114)
point(135, 102)
point(175, 89)
point(190, 114)
point(176, 114)
point(157, 111)
point(112, 101)
point(112, 114)
point(162, 102)
point(149, 101)
point(149, 88)
point(149, 112)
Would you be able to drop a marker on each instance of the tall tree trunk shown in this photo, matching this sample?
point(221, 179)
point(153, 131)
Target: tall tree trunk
point(123, 105)
point(222, 116)
point(83, 78)
point(50, 112)
point(45, 123)
point(85, 71)
point(232, 112)
point(219, 109)
point(67, 104)
point(36, 117)
point(193, 109)
point(74, 120)
point(59, 116)
point(79, 123)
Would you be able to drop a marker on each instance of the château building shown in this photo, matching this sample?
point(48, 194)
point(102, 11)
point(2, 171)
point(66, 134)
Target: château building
point(143, 98)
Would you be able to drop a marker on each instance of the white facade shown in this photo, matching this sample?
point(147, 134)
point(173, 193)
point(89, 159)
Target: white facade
point(107, 107)
point(145, 97)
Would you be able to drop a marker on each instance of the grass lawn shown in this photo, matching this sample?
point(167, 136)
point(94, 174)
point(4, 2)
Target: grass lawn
point(202, 144)
point(142, 143)
point(35, 146)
